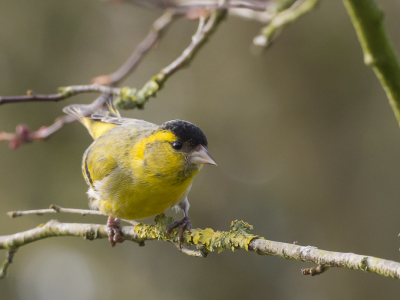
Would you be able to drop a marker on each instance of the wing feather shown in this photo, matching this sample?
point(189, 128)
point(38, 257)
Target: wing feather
point(99, 122)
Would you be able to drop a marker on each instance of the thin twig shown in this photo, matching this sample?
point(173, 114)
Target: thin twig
point(208, 240)
point(181, 6)
point(128, 98)
point(270, 32)
point(23, 133)
point(54, 209)
point(153, 37)
point(31, 96)
point(129, 95)
point(260, 16)
point(64, 93)
point(131, 98)
point(367, 19)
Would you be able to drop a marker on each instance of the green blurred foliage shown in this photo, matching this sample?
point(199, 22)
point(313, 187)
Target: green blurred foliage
point(306, 144)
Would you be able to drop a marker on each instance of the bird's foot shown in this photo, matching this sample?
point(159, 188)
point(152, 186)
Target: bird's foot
point(182, 224)
point(114, 231)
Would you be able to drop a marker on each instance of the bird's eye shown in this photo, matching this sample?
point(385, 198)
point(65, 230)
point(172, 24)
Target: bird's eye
point(177, 145)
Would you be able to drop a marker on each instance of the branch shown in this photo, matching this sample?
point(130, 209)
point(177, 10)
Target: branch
point(131, 98)
point(63, 93)
point(367, 20)
point(23, 133)
point(262, 17)
point(54, 209)
point(208, 240)
point(184, 6)
point(128, 98)
point(280, 20)
point(156, 32)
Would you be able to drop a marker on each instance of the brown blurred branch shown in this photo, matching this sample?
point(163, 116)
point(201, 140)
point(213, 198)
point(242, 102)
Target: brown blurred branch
point(130, 94)
point(64, 93)
point(207, 240)
point(23, 133)
point(128, 98)
point(185, 6)
point(156, 33)
point(131, 98)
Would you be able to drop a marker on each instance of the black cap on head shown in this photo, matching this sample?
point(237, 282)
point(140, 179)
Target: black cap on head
point(186, 132)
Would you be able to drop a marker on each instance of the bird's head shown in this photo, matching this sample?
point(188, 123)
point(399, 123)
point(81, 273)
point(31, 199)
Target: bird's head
point(190, 141)
point(177, 149)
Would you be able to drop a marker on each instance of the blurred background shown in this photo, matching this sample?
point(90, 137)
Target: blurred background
point(306, 143)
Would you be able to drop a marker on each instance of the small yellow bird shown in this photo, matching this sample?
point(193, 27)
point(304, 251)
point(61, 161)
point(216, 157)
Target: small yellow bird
point(136, 169)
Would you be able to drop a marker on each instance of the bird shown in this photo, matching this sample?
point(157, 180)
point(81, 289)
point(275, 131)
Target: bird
point(136, 169)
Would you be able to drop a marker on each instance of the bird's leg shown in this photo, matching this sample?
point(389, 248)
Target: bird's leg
point(182, 224)
point(114, 231)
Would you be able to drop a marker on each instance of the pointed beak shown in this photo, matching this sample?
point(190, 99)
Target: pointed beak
point(200, 156)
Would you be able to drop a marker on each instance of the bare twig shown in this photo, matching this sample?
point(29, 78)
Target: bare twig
point(54, 209)
point(260, 16)
point(64, 93)
point(208, 240)
point(283, 18)
point(127, 97)
point(156, 32)
point(130, 98)
point(31, 96)
point(23, 133)
point(184, 6)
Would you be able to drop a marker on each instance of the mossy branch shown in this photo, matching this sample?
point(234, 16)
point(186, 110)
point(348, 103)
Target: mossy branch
point(207, 240)
point(367, 19)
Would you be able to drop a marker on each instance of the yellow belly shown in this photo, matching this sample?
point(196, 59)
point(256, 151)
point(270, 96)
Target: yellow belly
point(134, 201)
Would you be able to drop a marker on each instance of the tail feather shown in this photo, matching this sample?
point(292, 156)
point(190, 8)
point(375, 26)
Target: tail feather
point(91, 118)
point(79, 111)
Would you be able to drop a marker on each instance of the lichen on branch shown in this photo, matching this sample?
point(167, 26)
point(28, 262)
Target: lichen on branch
point(238, 237)
point(205, 240)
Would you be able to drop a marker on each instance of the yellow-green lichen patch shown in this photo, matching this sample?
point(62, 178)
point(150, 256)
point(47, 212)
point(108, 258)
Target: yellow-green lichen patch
point(238, 237)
